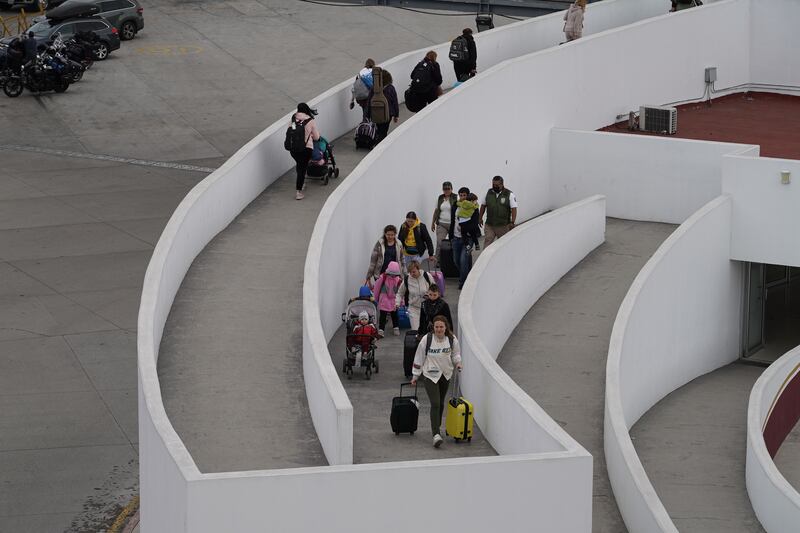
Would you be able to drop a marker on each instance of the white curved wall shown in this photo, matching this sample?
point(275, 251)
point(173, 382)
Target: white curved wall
point(167, 471)
point(680, 319)
point(774, 500)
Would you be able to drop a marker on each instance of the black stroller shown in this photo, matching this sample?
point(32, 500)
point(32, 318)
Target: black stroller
point(322, 167)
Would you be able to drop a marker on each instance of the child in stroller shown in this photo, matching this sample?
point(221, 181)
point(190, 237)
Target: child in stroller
point(362, 336)
point(322, 164)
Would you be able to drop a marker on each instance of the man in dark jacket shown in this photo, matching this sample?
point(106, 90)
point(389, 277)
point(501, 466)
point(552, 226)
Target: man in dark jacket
point(467, 68)
point(31, 47)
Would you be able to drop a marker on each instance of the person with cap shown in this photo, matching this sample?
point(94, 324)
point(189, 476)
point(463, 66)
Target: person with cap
point(416, 240)
point(500, 207)
point(304, 117)
point(443, 216)
point(386, 294)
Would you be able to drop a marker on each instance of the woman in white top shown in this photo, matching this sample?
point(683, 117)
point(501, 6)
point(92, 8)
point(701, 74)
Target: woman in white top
point(413, 291)
point(573, 20)
point(438, 355)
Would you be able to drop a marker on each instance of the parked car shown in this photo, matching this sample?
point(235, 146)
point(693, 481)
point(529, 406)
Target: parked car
point(125, 15)
point(107, 34)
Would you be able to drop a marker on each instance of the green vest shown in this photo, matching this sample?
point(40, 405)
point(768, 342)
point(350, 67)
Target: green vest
point(498, 208)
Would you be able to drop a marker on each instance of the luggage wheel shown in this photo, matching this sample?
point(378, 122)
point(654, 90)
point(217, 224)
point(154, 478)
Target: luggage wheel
point(469, 439)
point(336, 173)
point(377, 368)
point(412, 433)
point(396, 432)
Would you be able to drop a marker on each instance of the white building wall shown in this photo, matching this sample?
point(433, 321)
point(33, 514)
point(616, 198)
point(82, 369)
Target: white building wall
point(766, 213)
point(679, 320)
point(658, 179)
point(775, 42)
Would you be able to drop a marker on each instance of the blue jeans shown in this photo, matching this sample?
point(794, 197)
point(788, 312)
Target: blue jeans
point(462, 258)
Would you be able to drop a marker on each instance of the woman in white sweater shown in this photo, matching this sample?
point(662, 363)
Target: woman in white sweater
point(438, 355)
point(412, 292)
point(573, 25)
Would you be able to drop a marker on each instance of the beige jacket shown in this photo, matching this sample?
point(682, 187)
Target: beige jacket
point(573, 18)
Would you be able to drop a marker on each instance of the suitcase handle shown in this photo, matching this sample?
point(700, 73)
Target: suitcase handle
point(409, 384)
point(456, 392)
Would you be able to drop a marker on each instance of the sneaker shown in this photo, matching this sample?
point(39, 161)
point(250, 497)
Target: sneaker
point(299, 195)
point(396, 331)
point(380, 333)
point(437, 440)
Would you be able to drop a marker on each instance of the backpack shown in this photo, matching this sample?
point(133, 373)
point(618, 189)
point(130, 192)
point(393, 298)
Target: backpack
point(405, 282)
point(459, 50)
point(422, 78)
point(360, 89)
point(378, 104)
point(296, 136)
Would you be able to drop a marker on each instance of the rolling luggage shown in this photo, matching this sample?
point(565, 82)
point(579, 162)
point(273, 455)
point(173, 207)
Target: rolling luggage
point(409, 351)
point(460, 419)
point(438, 277)
point(365, 134)
point(405, 412)
point(448, 265)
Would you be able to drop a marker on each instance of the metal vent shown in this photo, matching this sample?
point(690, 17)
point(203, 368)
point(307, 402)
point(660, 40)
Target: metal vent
point(658, 119)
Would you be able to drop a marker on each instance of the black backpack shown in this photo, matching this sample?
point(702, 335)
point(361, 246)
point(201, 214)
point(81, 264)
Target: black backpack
point(422, 77)
point(296, 136)
point(459, 50)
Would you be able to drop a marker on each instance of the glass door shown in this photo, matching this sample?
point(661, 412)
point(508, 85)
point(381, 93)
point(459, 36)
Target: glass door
point(753, 309)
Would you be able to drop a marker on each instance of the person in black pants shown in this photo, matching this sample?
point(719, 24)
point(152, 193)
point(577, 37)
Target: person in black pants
point(466, 69)
point(304, 116)
point(433, 306)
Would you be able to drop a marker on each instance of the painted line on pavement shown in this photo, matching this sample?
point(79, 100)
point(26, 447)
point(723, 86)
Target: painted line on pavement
point(103, 157)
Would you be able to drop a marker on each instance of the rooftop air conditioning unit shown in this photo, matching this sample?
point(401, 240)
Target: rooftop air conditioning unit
point(658, 119)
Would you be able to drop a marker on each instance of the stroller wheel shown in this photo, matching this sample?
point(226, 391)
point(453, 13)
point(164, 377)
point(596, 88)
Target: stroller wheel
point(368, 373)
point(325, 179)
point(377, 368)
point(336, 173)
point(344, 366)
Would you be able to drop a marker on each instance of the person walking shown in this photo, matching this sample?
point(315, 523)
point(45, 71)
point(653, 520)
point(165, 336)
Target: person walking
point(303, 120)
point(393, 114)
point(386, 297)
point(426, 80)
point(462, 254)
point(416, 239)
point(386, 250)
point(362, 86)
point(443, 216)
point(573, 20)
point(432, 306)
point(500, 207)
point(413, 291)
point(464, 55)
point(438, 356)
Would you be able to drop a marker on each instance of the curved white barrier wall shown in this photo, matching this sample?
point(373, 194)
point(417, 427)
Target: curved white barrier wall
point(168, 473)
point(680, 319)
point(774, 500)
point(508, 278)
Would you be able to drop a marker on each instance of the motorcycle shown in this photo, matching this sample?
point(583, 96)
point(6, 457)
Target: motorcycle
point(45, 73)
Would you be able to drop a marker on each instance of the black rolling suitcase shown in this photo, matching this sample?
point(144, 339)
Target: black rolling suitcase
point(405, 412)
point(409, 351)
point(448, 265)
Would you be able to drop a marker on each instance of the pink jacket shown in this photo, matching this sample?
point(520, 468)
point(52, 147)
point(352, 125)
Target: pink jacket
point(386, 291)
point(312, 133)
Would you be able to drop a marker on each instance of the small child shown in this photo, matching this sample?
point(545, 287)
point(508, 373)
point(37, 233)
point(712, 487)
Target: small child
point(363, 327)
point(467, 215)
point(386, 291)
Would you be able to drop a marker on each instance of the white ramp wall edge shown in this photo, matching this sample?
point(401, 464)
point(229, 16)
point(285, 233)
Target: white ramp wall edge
point(508, 278)
point(759, 234)
point(166, 467)
point(680, 319)
point(657, 179)
point(775, 501)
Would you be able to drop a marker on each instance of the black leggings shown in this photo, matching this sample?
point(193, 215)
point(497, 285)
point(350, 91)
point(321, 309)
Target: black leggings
point(382, 318)
point(302, 159)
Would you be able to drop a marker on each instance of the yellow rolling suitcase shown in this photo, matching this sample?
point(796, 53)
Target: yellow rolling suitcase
point(459, 414)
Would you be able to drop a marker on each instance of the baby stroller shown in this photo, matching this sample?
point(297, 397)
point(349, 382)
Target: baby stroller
point(322, 165)
point(360, 348)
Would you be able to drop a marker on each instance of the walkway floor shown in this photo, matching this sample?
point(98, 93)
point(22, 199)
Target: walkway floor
point(693, 446)
point(374, 441)
point(558, 352)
